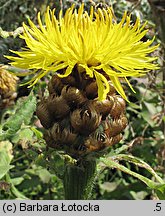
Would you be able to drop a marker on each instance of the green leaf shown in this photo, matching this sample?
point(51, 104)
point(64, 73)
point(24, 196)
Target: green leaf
point(44, 175)
point(22, 115)
point(146, 93)
point(134, 106)
point(118, 150)
point(5, 160)
point(113, 164)
point(24, 135)
point(139, 195)
point(57, 163)
point(17, 181)
point(41, 161)
point(109, 186)
point(160, 191)
point(41, 172)
point(146, 113)
point(38, 133)
point(151, 108)
point(138, 162)
point(14, 190)
point(17, 193)
point(7, 147)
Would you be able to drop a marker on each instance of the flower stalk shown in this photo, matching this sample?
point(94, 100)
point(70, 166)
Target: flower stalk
point(79, 180)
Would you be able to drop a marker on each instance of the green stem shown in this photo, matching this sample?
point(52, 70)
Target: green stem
point(79, 180)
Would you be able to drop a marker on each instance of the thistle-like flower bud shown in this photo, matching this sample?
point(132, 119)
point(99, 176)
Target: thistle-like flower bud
point(103, 107)
point(116, 126)
point(85, 120)
point(43, 114)
point(118, 106)
point(73, 96)
point(62, 136)
point(79, 125)
point(69, 80)
point(91, 90)
point(55, 85)
point(57, 107)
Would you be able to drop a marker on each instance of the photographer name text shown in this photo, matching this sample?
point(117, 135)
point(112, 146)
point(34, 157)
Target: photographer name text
point(38, 207)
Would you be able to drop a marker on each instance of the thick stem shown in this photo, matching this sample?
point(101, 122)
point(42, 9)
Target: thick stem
point(79, 180)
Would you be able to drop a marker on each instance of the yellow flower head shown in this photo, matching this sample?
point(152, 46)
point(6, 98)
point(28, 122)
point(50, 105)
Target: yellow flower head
point(94, 43)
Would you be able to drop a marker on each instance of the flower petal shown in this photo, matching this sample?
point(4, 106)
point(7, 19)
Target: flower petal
point(118, 86)
point(67, 72)
point(103, 86)
point(93, 42)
